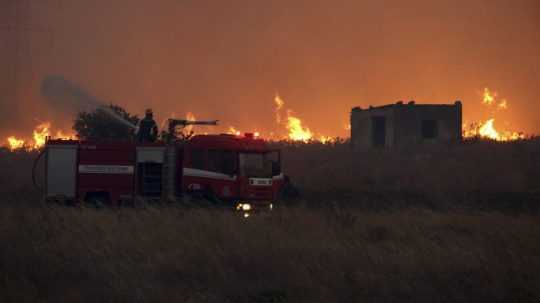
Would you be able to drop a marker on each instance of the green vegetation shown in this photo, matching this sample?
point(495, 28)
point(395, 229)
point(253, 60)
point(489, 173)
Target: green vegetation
point(102, 124)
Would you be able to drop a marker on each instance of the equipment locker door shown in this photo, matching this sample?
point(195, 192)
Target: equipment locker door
point(61, 170)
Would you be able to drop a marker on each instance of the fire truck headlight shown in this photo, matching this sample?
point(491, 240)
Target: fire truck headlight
point(271, 206)
point(243, 206)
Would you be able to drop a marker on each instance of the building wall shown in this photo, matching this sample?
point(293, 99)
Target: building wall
point(361, 125)
point(404, 124)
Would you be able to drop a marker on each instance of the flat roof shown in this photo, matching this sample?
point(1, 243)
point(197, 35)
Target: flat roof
point(408, 104)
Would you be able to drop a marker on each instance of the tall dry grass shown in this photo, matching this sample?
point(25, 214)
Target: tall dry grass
point(472, 166)
point(170, 254)
point(425, 252)
point(16, 170)
point(485, 172)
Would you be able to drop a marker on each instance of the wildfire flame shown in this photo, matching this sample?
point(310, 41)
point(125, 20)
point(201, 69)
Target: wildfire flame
point(325, 139)
point(296, 131)
point(190, 117)
point(489, 97)
point(14, 143)
point(234, 131)
point(279, 105)
point(487, 129)
point(39, 136)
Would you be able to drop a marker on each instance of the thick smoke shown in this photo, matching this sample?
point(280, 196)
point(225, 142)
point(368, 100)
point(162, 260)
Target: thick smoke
point(66, 96)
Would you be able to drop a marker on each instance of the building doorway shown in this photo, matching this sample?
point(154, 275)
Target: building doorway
point(378, 124)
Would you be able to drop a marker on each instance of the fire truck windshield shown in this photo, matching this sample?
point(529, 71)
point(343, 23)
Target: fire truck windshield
point(259, 165)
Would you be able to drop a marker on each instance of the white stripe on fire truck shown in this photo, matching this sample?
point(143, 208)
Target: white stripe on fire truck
point(278, 177)
point(106, 169)
point(193, 172)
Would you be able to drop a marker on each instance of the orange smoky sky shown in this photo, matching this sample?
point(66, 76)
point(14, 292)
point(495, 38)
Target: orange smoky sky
point(227, 59)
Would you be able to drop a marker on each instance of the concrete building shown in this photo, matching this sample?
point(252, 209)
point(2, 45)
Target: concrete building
point(405, 125)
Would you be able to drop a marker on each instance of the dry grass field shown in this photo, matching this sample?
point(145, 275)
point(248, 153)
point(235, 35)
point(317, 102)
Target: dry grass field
point(438, 224)
point(481, 174)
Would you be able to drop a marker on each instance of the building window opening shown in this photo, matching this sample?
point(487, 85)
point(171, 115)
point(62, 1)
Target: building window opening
point(379, 130)
point(430, 129)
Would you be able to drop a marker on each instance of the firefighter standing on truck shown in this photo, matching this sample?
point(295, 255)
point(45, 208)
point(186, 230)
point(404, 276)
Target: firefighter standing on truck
point(147, 130)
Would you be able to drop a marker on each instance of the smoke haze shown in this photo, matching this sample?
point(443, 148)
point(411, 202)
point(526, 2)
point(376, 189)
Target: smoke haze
point(69, 98)
point(63, 95)
point(226, 60)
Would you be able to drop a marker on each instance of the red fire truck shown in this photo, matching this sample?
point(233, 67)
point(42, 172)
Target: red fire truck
point(240, 171)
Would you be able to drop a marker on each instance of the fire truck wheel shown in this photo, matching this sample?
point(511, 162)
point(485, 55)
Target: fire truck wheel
point(97, 200)
point(288, 191)
point(211, 197)
point(205, 197)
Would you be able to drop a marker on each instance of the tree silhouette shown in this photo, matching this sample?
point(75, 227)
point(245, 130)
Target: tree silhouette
point(101, 124)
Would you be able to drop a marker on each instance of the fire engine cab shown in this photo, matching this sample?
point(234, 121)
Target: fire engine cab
point(237, 170)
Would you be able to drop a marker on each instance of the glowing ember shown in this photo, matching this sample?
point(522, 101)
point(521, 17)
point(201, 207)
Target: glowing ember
point(502, 105)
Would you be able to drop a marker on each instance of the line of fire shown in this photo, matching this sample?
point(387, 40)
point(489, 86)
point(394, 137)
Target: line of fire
point(296, 131)
point(238, 170)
